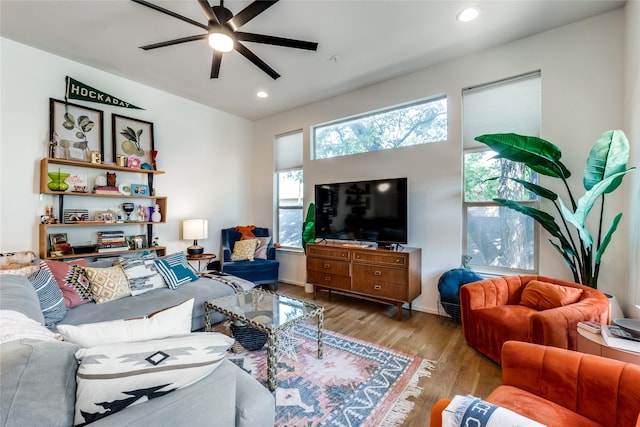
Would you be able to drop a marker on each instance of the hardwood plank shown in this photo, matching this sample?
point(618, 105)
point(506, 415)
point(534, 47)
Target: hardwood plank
point(460, 369)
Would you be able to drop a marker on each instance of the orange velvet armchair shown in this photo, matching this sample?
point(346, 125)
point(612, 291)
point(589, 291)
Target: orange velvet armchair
point(558, 387)
point(492, 314)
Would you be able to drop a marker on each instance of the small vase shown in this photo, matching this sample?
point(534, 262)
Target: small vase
point(57, 181)
point(156, 216)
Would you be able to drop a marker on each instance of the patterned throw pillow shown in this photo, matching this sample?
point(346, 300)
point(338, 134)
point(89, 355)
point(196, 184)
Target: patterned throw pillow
point(50, 297)
point(114, 376)
point(169, 322)
point(175, 270)
point(108, 284)
point(142, 273)
point(244, 250)
point(261, 250)
point(72, 281)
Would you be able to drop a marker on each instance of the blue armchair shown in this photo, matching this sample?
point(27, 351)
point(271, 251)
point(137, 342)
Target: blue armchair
point(260, 271)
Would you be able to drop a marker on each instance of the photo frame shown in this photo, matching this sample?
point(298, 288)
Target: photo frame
point(58, 239)
point(137, 242)
point(72, 216)
point(106, 216)
point(132, 138)
point(140, 190)
point(75, 130)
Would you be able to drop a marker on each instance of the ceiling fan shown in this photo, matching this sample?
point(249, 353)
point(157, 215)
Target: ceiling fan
point(222, 32)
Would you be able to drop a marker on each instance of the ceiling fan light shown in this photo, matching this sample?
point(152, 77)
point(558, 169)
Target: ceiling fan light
point(468, 14)
point(221, 41)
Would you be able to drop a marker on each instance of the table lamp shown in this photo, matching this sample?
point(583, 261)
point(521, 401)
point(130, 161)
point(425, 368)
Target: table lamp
point(194, 229)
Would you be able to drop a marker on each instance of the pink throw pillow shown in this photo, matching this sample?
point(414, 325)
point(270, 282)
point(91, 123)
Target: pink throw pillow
point(71, 279)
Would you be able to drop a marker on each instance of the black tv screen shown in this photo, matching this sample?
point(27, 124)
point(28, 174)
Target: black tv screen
point(371, 211)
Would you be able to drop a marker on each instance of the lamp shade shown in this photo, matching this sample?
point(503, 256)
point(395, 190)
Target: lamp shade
point(194, 229)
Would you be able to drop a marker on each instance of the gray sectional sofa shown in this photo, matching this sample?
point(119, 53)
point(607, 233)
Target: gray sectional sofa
point(39, 376)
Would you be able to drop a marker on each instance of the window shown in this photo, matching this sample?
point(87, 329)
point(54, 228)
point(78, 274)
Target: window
point(417, 123)
point(289, 189)
point(497, 238)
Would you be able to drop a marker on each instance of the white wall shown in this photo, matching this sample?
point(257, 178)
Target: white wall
point(202, 150)
point(582, 96)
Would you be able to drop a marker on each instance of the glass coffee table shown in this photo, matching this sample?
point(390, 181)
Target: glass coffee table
point(270, 313)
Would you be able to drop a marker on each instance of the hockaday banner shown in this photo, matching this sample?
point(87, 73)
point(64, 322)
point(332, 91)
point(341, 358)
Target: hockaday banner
point(79, 90)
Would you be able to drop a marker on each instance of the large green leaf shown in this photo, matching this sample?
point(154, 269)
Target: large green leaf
point(541, 217)
point(607, 157)
point(586, 202)
point(538, 154)
point(585, 236)
point(537, 189)
point(607, 237)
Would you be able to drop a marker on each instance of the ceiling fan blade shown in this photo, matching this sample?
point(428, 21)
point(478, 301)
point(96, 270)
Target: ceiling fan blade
point(170, 13)
point(215, 64)
point(277, 41)
point(257, 61)
point(209, 11)
point(176, 41)
point(248, 13)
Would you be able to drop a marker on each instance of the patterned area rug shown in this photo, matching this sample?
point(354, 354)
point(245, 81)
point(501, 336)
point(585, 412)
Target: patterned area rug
point(355, 384)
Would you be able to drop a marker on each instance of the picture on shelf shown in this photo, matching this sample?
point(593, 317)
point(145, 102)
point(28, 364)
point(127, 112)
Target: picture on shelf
point(132, 138)
point(137, 242)
point(71, 216)
point(106, 216)
point(57, 239)
point(75, 130)
point(140, 190)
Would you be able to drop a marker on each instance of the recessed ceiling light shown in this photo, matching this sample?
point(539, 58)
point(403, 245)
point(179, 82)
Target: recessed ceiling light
point(262, 94)
point(468, 14)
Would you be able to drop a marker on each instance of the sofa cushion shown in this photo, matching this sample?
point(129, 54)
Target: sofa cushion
point(543, 296)
point(17, 326)
point(168, 322)
point(19, 295)
point(175, 270)
point(72, 280)
point(244, 249)
point(470, 410)
point(142, 273)
point(32, 370)
point(108, 284)
point(50, 297)
point(261, 250)
point(115, 376)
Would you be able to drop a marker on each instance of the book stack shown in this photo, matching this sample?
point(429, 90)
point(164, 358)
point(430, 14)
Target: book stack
point(105, 189)
point(593, 327)
point(619, 338)
point(111, 241)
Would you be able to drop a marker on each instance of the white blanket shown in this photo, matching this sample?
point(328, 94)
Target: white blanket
point(470, 411)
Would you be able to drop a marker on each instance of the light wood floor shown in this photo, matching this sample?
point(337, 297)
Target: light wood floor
point(459, 368)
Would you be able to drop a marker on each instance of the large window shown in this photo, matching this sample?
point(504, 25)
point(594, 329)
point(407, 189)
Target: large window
point(401, 126)
point(497, 238)
point(289, 189)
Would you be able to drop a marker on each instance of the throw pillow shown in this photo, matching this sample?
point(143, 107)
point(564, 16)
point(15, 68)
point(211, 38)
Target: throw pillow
point(17, 326)
point(261, 250)
point(142, 273)
point(469, 410)
point(171, 321)
point(20, 271)
point(115, 376)
point(13, 260)
point(244, 249)
point(108, 284)
point(245, 230)
point(72, 281)
point(50, 297)
point(175, 270)
point(543, 296)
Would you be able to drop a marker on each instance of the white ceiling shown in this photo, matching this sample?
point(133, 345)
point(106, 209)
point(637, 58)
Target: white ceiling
point(372, 40)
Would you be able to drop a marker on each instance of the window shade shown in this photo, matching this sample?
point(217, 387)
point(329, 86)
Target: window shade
point(289, 151)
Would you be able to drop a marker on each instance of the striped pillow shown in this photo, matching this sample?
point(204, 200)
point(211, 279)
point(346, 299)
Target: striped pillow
point(50, 297)
point(175, 270)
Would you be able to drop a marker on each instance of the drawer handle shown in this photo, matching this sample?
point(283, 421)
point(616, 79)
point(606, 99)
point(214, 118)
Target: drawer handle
point(326, 266)
point(398, 260)
point(377, 273)
point(344, 255)
point(377, 287)
point(327, 278)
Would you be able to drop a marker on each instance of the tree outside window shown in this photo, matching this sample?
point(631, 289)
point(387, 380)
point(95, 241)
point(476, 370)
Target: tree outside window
point(290, 204)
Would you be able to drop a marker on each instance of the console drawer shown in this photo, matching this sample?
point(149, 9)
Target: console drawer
point(380, 289)
point(327, 252)
point(329, 280)
point(377, 273)
point(380, 258)
point(340, 268)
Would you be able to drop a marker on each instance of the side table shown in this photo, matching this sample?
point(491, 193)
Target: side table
point(591, 343)
point(200, 258)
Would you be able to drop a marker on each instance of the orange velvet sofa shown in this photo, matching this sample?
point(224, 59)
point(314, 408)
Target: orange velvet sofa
point(562, 388)
point(492, 314)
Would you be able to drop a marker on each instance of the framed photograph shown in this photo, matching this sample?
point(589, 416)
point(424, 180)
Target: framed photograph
point(137, 242)
point(58, 239)
point(132, 138)
point(71, 216)
point(75, 131)
point(106, 216)
point(140, 190)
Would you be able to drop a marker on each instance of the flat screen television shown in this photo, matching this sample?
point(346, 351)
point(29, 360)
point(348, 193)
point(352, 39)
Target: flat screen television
point(370, 211)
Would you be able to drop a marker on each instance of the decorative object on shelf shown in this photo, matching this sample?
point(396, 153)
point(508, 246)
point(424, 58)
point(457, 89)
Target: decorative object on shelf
point(124, 189)
point(106, 216)
point(156, 216)
point(128, 208)
point(132, 137)
point(121, 160)
point(100, 181)
point(79, 129)
point(194, 229)
point(133, 162)
point(53, 145)
point(77, 182)
point(111, 179)
point(140, 190)
point(155, 241)
point(137, 242)
point(71, 216)
point(604, 169)
point(57, 181)
point(57, 238)
point(143, 215)
point(154, 154)
point(96, 157)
